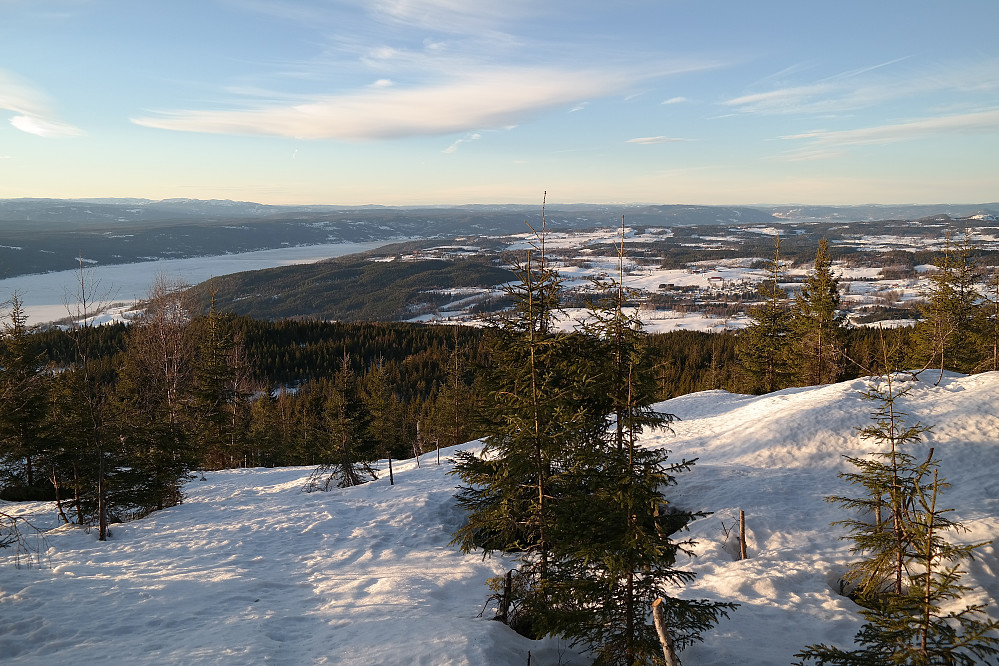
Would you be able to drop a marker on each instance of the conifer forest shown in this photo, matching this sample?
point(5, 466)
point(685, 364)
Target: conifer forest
point(111, 423)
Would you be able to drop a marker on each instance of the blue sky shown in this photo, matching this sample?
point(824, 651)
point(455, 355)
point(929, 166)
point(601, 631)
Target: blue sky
point(459, 101)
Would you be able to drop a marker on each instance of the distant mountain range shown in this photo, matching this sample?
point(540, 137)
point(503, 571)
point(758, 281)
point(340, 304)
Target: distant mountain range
point(41, 235)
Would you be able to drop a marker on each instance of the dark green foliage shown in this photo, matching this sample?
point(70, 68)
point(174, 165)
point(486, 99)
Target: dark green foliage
point(350, 289)
point(154, 378)
point(765, 348)
point(561, 483)
point(220, 392)
point(344, 447)
point(944, 337)
point(23, 387)
point(910, 572)
point(620, 553)
point(986, 334)
point(818, 325)
point(889, 476)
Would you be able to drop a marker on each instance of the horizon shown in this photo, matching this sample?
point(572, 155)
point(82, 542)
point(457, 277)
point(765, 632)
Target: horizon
point(633, 204)
point(408, 103)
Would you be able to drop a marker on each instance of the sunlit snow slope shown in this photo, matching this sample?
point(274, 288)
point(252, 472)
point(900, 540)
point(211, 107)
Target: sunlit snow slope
point(250, 570)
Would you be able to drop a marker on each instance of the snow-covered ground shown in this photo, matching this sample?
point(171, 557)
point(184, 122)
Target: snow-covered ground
point(251, 570)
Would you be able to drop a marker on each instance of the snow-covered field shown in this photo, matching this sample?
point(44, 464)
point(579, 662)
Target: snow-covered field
point(252, 570)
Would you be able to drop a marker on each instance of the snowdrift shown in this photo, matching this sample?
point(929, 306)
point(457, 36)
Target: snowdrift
point(252, 570)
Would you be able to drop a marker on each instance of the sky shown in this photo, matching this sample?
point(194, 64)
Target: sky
point(419, 102)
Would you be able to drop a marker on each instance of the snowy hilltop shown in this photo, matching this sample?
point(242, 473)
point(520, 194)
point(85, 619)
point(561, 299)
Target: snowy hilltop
point(252, 570)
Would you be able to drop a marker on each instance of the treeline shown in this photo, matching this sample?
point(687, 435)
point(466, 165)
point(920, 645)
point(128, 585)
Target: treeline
point(110, 421)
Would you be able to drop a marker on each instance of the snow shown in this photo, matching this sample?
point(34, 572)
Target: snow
point(252, 570)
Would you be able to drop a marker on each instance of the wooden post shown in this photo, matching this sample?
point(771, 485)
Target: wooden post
point(504, 609)
point(659, 619)
point(418, 445)
point(391, 478)
point(438, 452)
point(742, 535)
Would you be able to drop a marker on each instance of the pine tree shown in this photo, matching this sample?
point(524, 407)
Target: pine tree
point(451, 409)
point(345, 448)
point(765, 348)
point(84, 396)
point(265, 436)
point(536, 422)
point(388, 428)
point(944, 335)
point(912, 627)
point(817, 323)
point(154, 379)
point(987, 326)
point(888, 475)
point(23, 396)
point(219, 399)
point(910, 570)
point(618, 546)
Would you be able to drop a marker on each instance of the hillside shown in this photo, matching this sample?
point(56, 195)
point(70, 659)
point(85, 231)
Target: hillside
point(252, 570)
point(349, 289)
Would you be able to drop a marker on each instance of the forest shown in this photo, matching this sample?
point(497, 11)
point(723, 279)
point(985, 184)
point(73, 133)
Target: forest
point(109, 422)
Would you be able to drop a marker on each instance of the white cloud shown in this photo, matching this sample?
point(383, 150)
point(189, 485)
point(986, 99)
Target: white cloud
point(31, 108)
point(646, 140)
point(675, 100)
point(475, 136)
point(488, 99)
point(44, 128)
point(455, 16)
point(870, 86)
point(819, 144)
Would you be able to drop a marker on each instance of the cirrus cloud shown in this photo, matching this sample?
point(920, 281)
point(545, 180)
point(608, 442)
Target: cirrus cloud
point(819, 144)
point(646, 140)
point(31, 108)
point(486, 99)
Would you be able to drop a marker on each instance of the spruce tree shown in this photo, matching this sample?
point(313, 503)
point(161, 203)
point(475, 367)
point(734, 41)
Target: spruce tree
point(765, 348)
point(912, 627)
point(620, 551)
point(219, 400)
point(944, 335)
point(817, 323)
point(910, 571)
point(23, 385)
point(888, 475)
point(267, 445)
point(154, 380)
point(535, 423)
point(987, 326)
point(344, 445)
point(387, 426)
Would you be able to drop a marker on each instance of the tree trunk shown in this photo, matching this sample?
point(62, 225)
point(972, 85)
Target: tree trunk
point(659, 619)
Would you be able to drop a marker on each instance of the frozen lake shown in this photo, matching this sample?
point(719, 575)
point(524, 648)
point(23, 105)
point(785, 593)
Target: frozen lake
point(49, 296)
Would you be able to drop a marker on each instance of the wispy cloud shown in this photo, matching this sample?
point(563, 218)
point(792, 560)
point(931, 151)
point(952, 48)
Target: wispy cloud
point(674, 100)
point(870, 86)
point(455, 16)
point(487, 99)
point(474, 136)
point(44, 128)
point(645, 140)
point(31, 109)
point(820, 144)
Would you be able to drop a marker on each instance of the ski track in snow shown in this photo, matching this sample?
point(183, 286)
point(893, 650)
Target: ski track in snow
point(252, 570)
